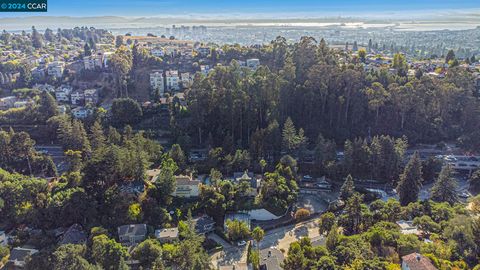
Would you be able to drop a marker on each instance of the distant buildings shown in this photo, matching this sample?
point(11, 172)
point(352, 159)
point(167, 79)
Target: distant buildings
point(90, 96)
point(81, 112)
point(156, 82)
point(55, 69)
point(62, 94)
point(172, 80)
point(253, 63)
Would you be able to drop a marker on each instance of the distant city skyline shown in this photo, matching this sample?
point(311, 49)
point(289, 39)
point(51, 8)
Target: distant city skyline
point(222, 8)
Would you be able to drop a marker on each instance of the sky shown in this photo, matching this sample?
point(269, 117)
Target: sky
point(137, 8)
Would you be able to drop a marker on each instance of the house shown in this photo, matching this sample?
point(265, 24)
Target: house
point(172, 80)
point(253, 63)
point(77, 98)
point(156, 82)
point(44, 87)
point(91, 96)
point(186, 80)
point(3, 239)
point(203, 51)
point(152, 175)
point(55, 69)
point(62, 94)
point(205, 69)
point(132, 234)
point(167, 234)
point(407, 227)
point(7, 102)
point(246, 177)
point(186, 187)
point(243, 217)
point(74, 235)
point(158, 52)
point(81, 112)
point(62, 109)
point(270, 259)
point(416, 261)
point(38, 73)
point(19, 256)
point(23, 103)
point(203, 224)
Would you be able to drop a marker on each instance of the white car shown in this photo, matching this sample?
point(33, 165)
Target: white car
point(241, 243)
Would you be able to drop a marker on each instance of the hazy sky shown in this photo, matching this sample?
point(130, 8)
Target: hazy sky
point(226, 7)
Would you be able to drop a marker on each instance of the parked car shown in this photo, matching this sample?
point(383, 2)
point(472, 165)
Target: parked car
point(241, 243)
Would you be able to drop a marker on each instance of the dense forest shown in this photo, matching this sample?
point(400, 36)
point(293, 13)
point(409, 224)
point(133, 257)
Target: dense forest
point(326, 92)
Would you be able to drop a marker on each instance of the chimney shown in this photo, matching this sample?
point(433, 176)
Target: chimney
point(418, 257)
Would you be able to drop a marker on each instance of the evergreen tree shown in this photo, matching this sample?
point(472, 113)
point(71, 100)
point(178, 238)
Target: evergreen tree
point(37, 41)
point(87, 50)
point(97, 138)
point(332, 238)
point(289, 135)
point(410, 181)
point(450, 56)
point(445, 188)
point(47, 106)
point(348, 188)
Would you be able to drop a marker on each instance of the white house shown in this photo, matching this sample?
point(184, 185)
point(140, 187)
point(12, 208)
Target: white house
point(167, 234)
point(55, 69)
point(81, 112)
point(186, 79)
point(158, 52)
point(186, 187)
point(156, 82)
point(253, 63)
point(77, 97)
point(172, 80)
point(90, 96)
point(3, 239)
point(62, 94)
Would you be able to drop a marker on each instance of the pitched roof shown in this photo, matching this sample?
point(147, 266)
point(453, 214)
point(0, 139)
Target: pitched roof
point(74, 235)
point(416, 261)
point(132, 229)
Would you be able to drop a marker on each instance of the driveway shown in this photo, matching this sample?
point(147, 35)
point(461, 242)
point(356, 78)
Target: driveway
point(230, 254)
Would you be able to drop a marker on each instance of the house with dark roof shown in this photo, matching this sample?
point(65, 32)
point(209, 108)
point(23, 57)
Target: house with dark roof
point(132, 234)
point(204, 224)
point(74, 235)
point(416, 261)
point(18, 257)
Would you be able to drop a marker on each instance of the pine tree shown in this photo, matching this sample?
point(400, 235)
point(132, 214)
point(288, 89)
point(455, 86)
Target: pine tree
point(97, 138)
point(47, 106)
point(410, 181)
point(87, 50)
point(445, 189)
point(289, 135)
point(79, 137)
point(332, 238)
point(347, 189)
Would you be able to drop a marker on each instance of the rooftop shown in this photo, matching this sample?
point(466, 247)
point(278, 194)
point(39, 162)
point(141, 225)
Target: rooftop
point(416, 261)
